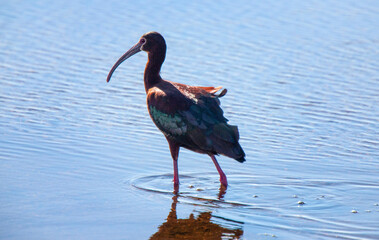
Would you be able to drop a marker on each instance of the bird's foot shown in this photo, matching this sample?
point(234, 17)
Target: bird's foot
point(223, 180)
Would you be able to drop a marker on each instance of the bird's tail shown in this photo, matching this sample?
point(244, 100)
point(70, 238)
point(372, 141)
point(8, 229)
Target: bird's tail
point(225, 141)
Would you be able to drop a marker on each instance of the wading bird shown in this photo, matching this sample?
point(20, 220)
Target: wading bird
point(188, 116)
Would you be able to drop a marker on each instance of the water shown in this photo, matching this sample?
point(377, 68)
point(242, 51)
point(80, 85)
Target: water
point(81, 159)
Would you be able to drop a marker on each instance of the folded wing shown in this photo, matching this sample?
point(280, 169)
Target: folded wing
point(197, 123)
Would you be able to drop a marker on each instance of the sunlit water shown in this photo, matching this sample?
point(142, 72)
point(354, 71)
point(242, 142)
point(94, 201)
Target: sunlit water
point(81, 159)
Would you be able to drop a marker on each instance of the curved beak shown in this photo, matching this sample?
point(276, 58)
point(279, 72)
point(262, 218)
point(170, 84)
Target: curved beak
point(135, 49)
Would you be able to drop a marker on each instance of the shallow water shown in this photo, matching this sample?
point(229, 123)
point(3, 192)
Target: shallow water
point(81, 159)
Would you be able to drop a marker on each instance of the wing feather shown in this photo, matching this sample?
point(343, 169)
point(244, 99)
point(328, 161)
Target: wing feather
point(192, 117)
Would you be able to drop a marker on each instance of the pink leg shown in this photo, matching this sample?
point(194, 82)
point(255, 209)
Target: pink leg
point(223, 179)
point(174, 149)
point(176, 173)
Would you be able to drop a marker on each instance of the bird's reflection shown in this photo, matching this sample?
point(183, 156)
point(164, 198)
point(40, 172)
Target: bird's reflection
point(200, 227)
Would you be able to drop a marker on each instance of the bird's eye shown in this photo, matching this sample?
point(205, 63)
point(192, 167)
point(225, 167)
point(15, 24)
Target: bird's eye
point(142, 40)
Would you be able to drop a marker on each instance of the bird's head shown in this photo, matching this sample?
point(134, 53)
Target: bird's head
point(150, 42)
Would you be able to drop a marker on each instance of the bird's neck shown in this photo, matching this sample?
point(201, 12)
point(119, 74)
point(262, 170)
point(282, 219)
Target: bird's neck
point(153, 68)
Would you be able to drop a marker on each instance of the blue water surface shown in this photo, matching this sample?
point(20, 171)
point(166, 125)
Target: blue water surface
point(81, 159)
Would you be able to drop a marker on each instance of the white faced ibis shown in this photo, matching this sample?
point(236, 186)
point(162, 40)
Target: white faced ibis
point(188, 116)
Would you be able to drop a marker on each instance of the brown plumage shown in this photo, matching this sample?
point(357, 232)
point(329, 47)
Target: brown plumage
point(188, 116)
